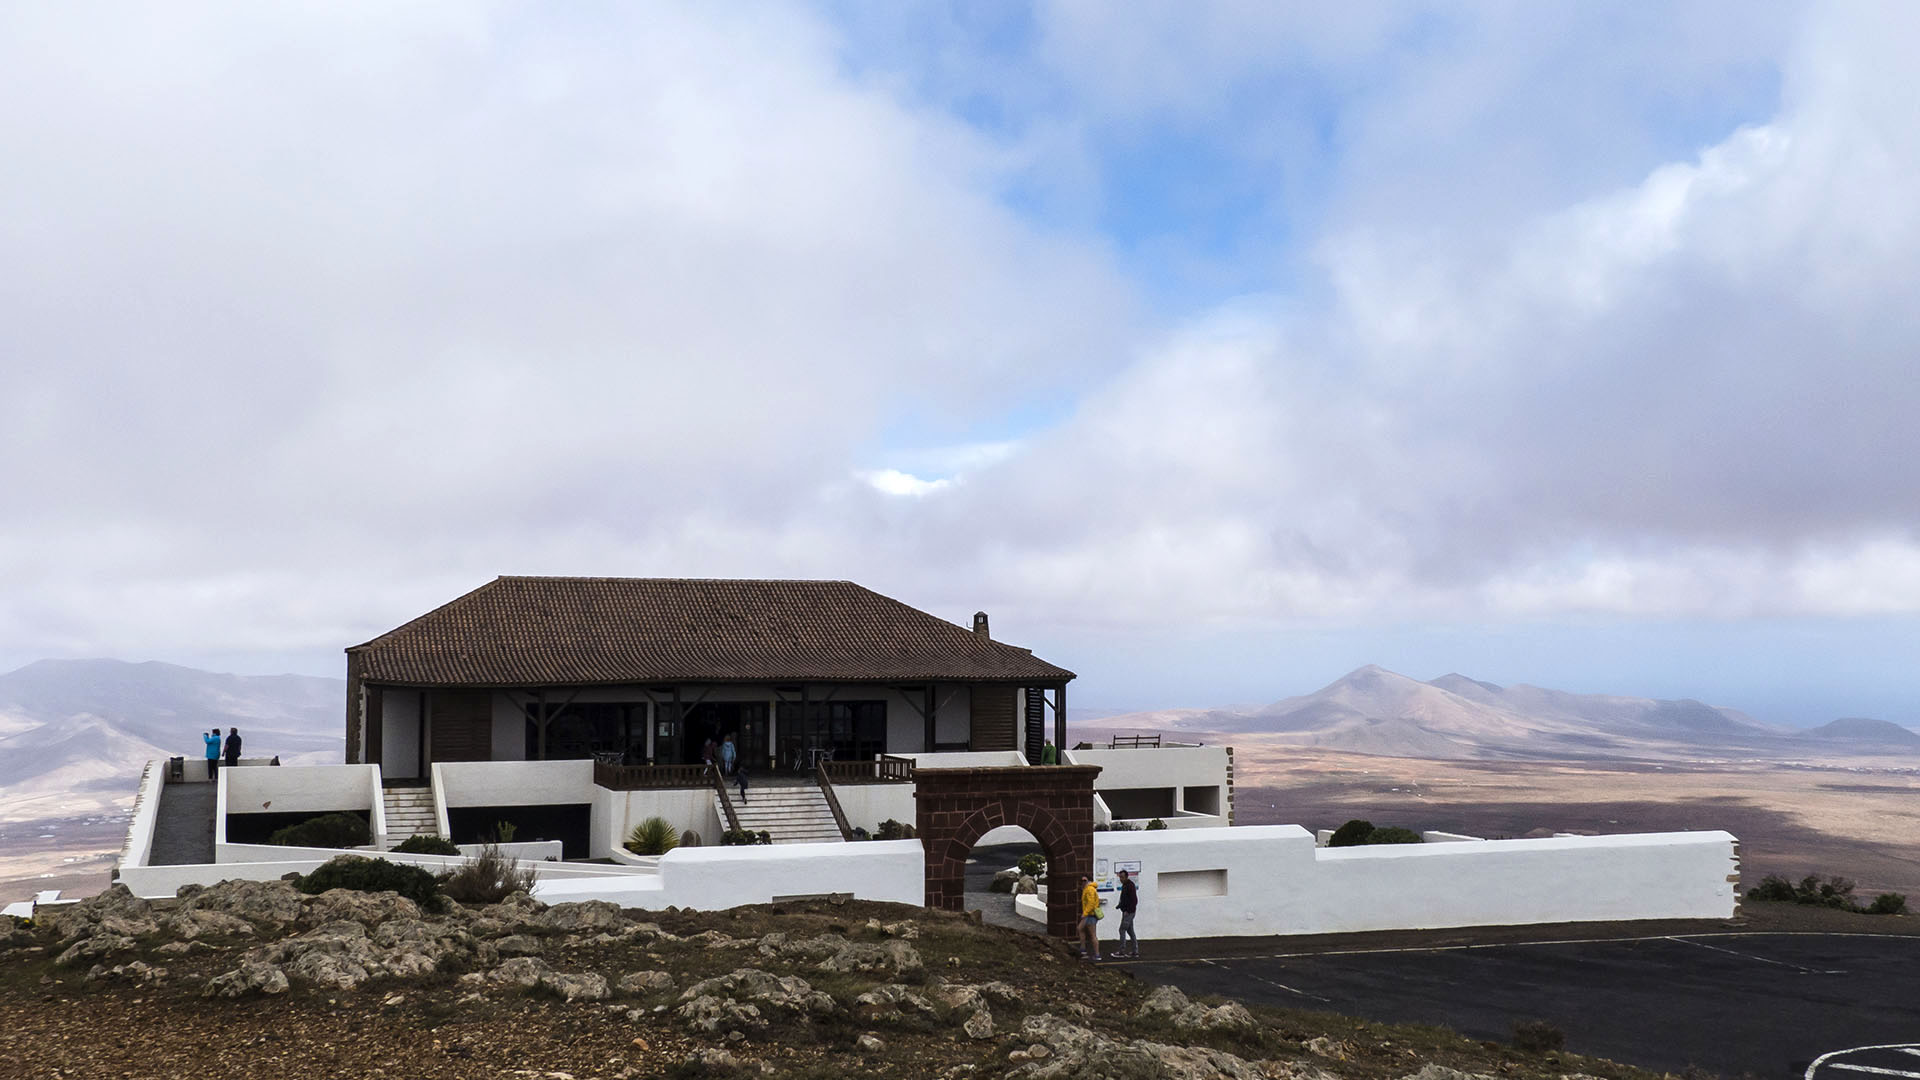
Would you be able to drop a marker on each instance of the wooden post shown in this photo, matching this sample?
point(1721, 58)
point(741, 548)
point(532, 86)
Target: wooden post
point(1060, 720)
point(929, 713)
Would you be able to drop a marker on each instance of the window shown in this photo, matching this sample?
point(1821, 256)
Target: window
point(592, 729)
point(848, 730)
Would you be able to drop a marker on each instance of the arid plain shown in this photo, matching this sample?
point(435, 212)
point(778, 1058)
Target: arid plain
point(1855, 816)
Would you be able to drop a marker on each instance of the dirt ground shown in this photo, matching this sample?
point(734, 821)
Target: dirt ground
point(1848, 817)
point(55, 1023)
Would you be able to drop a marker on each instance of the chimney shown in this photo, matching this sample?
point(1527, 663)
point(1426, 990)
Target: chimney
point(980, 626)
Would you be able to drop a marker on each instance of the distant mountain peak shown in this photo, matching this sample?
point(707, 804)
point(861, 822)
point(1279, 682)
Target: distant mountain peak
point(1455, 681)
point(1866, 729)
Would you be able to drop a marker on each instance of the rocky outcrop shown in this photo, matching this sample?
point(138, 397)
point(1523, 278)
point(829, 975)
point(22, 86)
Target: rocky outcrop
point(1168, 1003)
point(115, 912)
point(641, 983)
point(247, 980)
point(1078, 1053)
point(265, 904)
point(780, 993)
point(894, 958)
point(889, 1001)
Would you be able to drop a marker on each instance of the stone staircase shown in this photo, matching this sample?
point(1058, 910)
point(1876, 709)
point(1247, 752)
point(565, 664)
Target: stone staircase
point(791, 814)
point(409, 813)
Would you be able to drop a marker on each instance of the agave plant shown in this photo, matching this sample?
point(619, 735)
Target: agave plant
point(654, 836)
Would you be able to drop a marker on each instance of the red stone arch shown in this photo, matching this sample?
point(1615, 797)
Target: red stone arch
point(956, 807)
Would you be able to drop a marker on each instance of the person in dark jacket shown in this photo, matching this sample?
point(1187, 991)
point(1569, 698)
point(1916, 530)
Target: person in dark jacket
point(1129, 903)
point(233, 747)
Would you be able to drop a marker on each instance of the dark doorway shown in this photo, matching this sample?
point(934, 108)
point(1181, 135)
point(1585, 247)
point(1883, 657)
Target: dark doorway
point(746, 721)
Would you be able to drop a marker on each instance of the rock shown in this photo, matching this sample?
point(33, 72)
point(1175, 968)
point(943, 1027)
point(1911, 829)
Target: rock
point(713, 1061)
point(818, 947)
point(584, 917)
point(114, 912)
point(896, 958)
point(1169, 1003)
point(645, 982)
point(136, 972)
point(786, 993)
point(1000, 994)
point(711, 1015)
point(1005, 880)
point(1026, 885)
point(261, 903)
point(252, 977)
point(891, 1000)
point(525, 971)
point(364, 908)
point(1076, 1053)
point(979, 1025)
point(183, 948)
point(582, 987)
point(188, 925)
point(519, 945)
point(1441, 1072)
point(869, 1044)
point(1328, 1047)
point(93, 946)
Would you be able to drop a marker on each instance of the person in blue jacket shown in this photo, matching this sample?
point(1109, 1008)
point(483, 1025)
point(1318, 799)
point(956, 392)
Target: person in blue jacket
point(212, 739)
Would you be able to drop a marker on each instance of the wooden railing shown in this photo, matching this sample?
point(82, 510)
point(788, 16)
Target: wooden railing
point(887, 770)
point(833, 801)
point(726, 804)
point(648, 777)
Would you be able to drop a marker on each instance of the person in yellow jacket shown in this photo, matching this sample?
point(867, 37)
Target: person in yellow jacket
point(1089, 919)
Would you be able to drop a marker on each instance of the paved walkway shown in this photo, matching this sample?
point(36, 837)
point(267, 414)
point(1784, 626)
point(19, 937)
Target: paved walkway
point(1764, 1004)
point(183, 832)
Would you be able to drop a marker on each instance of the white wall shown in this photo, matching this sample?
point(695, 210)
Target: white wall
point(146, 813)
point(867, 805)
point(399, 732)
point(1278, 882)
point(294, 789)
point(157, 882)
point(714, 878)
point(615, 813)
point(513, 783)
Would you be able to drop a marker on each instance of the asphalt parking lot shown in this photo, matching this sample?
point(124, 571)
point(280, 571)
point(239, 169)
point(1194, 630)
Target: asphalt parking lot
point(1733, 1003)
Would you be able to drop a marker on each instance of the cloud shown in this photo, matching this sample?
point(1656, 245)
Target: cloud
point(313, 318)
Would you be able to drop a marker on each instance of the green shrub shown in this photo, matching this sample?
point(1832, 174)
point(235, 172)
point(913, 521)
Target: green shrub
point(487, 878)
point(1392, 834)
point(1773, 887)
point(1033, 864)
point(654, 836)
point(1156, 825)
point(1352, 834)
point(893, 830)
point(327, 830)
point(1537, 1036)
point(371, 876)
point(744, 837)
point(1888, 903)
point(503, 832)
point(427, 845)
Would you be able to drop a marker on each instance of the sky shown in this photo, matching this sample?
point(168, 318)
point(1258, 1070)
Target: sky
point(1215, 351)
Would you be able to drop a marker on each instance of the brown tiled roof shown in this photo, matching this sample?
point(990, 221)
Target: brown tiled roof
point(570, 631)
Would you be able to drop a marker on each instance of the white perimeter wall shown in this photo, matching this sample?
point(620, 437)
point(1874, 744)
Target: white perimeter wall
point(1277, 882)
point(1176, 767)
point(713, 878)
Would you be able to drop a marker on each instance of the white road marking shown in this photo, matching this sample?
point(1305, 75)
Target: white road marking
point(1281, 985)
point(1762, 959)
point(1905, 1048)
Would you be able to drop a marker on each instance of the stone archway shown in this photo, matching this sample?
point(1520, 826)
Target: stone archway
point(956, 807)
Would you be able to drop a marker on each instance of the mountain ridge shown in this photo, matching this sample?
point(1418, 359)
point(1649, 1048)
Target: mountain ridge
point(1374, 710)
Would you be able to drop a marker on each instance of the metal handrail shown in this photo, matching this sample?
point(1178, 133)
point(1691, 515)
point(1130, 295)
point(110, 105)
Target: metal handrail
point(833, 801)
point(726, 804)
